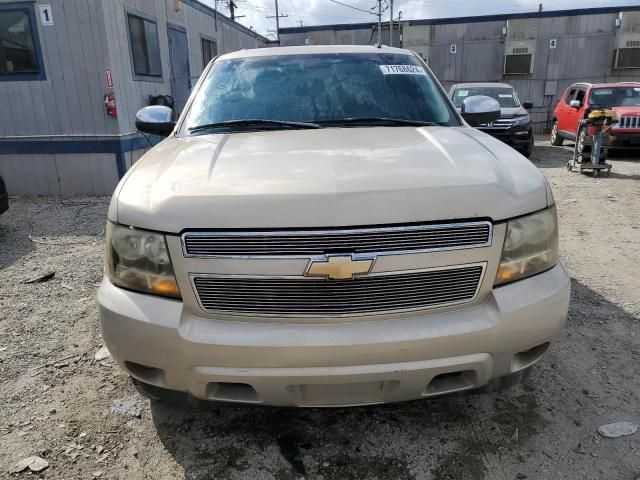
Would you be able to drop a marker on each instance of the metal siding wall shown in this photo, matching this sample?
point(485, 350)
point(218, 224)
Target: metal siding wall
point(17, 172)
point(70, 100)
point(87, 174)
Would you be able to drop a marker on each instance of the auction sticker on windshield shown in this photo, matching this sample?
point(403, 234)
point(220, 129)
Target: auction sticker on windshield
point(402, 70)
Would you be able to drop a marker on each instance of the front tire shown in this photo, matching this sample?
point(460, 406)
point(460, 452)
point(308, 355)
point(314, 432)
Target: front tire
point(556, 139)
point(529, 148)
point(581, 146)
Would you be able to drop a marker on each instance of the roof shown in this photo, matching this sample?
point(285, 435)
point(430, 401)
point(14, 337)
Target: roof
point(481, 84)
point(313, 50)
point(605, 85)
point(456, 20)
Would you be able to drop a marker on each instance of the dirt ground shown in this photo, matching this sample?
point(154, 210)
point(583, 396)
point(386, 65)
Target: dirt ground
point(85, 419)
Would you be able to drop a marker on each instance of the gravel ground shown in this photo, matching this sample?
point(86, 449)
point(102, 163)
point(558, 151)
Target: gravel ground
point(85, 419)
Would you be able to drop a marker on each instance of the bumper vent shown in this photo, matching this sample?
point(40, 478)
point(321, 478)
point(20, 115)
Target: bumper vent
point(296, 296)
point(313, 242)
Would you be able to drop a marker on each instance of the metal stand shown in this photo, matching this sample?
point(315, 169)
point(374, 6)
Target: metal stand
point(600, 120)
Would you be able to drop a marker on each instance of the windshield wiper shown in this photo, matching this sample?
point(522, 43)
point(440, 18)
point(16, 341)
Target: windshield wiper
point(253, 122)
point(377, 121)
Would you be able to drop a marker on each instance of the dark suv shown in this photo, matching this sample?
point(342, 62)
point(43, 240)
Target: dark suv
point(514, 125)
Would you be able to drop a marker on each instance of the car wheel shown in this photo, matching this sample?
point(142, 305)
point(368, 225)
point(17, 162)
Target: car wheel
point(556, 139)
point(529, 148)
point(581, 146)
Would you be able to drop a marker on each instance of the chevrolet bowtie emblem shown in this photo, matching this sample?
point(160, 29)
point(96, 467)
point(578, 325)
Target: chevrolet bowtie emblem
point(339, 267)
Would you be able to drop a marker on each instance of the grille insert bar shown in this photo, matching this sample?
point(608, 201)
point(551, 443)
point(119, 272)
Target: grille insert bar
point(316, 242)
point(629, 122)
point(302, 296)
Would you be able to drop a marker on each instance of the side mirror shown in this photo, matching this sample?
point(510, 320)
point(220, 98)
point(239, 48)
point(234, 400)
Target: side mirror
point(575, 104)
point(155, 120)
point(480, 109)
point(527, 105)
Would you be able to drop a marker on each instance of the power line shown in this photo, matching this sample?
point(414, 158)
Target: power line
point(352, 7)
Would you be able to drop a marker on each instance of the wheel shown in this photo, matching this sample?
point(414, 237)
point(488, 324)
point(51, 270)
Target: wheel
point(529, 148)
point(556, 139)
point(595, 172)
point(581, 139)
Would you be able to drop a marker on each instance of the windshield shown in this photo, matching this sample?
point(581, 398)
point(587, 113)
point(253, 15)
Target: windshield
point(615, 97)
point(506, 96)
point(318, 88)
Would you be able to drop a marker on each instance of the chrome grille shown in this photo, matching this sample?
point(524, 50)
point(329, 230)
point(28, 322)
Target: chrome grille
point(629, 122)
point(500, 124)
point(301, 296)
point(314, 242)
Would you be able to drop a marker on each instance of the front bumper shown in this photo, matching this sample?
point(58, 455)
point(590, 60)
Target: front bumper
point(625, 139)
point(159, 342)
point(516, 137)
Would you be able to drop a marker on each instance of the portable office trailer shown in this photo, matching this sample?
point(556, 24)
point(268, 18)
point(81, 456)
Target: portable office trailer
point(60, 58)
point(539, 53)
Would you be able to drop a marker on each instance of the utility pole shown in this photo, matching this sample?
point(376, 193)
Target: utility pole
point(391, 25)
point(232, 10)
point(379, 23)
point(277, 17)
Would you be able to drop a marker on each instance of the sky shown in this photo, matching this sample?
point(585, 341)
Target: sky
point(321, 12)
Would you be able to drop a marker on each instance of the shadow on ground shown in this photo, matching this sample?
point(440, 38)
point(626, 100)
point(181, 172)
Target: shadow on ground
point(12, 244)
point(528, 428)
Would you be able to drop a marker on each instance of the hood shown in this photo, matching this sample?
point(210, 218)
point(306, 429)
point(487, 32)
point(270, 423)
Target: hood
point(327, 177)
point(624, 110)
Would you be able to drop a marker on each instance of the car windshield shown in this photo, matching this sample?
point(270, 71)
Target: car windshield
point(506, 96)
point(303, 91)
point(615, 97)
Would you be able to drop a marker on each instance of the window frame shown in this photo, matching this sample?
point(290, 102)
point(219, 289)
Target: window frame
point(41, 75)
point(616, 59)
point(210, 40)
point(531, 64)
point(143, 77)
point(569, 94)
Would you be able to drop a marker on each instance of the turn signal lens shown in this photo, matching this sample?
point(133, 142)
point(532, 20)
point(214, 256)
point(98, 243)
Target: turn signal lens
point(530, 246)
point(139, 260)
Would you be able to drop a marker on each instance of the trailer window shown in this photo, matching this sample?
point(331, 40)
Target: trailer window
point(145, 48)
point(19, 52)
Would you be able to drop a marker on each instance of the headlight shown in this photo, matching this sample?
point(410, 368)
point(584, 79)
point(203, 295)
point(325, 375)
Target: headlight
point(530, 246)
point(139, 260)
point(522, 120)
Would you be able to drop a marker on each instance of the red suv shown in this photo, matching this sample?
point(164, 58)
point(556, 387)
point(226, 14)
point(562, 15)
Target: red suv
point(580, 98)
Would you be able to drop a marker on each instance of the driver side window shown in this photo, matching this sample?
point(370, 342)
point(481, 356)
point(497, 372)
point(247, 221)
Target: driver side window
point(580, 96)
point(568, 96)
